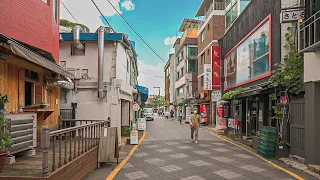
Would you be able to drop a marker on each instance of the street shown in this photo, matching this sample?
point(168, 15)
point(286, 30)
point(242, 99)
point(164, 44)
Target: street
point(168, 153)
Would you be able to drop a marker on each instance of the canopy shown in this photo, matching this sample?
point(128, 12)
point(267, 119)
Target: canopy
point(144, 92)
point(183, 102)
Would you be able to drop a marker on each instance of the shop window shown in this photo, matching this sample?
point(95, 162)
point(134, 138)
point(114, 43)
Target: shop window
point(78, 52)
point(250, 59)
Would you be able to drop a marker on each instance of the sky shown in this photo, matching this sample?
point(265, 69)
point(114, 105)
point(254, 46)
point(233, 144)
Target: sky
point(156, 21)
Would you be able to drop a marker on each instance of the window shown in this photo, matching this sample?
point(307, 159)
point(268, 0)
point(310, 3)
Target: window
point(209, 50)
point(202, 58)
point(182, 71)
point(180, 91)
point(182, 57)
point(45, 1)
point(78, 52)
point(55, 9)
point(232, 11)
point(178, 75)
point(208, 26)
point(250, 59)
point(127, 65)
point(192, 66)
point(192, 52)
point(201, 81)
point(202, 36)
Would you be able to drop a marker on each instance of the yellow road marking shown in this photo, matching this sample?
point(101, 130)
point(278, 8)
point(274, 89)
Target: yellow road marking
point(119, 167)
point(255, 154)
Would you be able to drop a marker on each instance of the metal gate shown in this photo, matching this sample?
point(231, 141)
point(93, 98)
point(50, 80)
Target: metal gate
point(297, 138)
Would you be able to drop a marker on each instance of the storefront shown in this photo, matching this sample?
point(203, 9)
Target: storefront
point(202, 103)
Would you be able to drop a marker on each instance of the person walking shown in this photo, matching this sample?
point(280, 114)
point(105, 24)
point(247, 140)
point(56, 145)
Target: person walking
point(180, 117)
point(171, 114)
point(166, 114)
point(194, 124)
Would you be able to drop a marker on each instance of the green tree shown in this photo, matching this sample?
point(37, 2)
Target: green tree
point(158, 101)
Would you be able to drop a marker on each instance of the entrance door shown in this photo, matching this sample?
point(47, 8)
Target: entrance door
point(297, 127)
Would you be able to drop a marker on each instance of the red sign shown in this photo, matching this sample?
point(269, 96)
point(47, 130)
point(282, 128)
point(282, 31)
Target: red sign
point(203, 95)
point(202, 108)
point(215, 67)
point(284, 100)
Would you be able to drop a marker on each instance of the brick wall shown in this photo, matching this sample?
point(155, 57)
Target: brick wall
point(31, 22)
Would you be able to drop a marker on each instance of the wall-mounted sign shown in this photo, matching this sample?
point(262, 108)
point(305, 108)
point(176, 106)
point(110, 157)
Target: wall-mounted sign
point(292, 15)
point(207, 77)
point(134, 137)
point(215, 96)
point(215, 67)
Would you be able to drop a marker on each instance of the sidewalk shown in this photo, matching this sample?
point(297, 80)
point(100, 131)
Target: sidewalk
point(106, 168)
point(291, 161)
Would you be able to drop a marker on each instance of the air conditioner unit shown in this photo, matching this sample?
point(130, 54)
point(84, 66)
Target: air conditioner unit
point(77, 74)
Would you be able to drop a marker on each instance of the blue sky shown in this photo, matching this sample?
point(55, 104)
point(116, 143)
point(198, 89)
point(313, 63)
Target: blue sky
point(155, 20)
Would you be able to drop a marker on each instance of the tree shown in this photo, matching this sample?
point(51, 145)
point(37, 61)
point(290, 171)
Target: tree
point(158, 101)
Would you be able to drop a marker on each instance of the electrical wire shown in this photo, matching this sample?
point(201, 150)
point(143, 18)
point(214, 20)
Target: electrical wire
point(69, 11)
point(136, 33)
point(102, 15)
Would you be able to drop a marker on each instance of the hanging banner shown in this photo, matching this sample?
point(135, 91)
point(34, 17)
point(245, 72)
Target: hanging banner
point(207, 77)
point(215, 67)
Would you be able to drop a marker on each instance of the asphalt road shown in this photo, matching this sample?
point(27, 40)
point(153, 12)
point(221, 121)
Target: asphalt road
point(168, 153)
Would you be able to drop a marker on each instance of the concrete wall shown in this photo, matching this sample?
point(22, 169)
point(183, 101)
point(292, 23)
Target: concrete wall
point(312, 66)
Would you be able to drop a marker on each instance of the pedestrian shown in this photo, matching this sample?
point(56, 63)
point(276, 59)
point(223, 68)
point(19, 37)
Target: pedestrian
point(194, 124)
point(180, 117)
point(166, 114)
point(171, 114)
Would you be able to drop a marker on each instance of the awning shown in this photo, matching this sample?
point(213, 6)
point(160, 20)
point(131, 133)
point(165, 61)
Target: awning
point(185, 101)
point(144, 92)
point(28, 54)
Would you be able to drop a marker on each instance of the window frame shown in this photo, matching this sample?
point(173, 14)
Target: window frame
point(203, 36)
point(203, 58)
point(268, 19)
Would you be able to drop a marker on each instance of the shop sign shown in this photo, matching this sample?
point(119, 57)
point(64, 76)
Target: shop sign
point(215, 67)
point(134, 137)
point(221, 124)
point(289, 16)
point(207, 77)
point(232, 124)
point(284, 100)
point(215, 96)
point(141, 124)
point(136, 107)
point(219, 111)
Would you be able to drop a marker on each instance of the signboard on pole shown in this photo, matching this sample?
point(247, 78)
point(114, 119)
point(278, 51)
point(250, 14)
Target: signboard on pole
point(141, 124)
point(207, 77)
point(134, 137)
point(215, 96)
point(292, 15)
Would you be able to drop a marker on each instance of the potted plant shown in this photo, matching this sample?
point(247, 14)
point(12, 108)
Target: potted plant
point(255, 140)
point(3, 101)
point(5, 142)
point(126, 132)
point(282, 149)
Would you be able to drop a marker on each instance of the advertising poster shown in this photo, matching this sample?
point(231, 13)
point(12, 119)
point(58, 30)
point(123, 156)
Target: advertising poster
point(221, 123)
point(142, 124)
point(215, 67)
point(207, 77)
point(232, 123)
point(134, 137)
point(203, 113)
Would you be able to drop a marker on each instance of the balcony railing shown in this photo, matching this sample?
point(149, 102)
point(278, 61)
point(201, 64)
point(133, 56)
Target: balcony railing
point(309, 40)
point(213, 7)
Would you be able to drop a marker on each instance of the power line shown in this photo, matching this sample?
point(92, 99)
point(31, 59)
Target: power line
point(69, 11)
point(103, 16)
point(136, 32)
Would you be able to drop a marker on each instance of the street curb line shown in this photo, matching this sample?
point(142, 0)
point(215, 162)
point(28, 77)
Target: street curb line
point(124, 161)
point(266, 160)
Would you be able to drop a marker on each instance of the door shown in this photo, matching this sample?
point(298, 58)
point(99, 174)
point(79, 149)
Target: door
point(297, 127)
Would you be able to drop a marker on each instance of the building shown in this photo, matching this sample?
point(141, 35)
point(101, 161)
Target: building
point(211, 29)
point(29, 70)
point(309, 45)
point(248, 57)
point(169, 83)
point(186, 66)
point(105, 69)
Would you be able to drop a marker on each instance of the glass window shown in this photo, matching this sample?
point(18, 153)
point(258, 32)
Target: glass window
point(202, 58)
point(192, 66)
point(209, 50)
point(250, 59)
point(232, 12)
point(180, 91)
point(192, 52)
point(202, 36)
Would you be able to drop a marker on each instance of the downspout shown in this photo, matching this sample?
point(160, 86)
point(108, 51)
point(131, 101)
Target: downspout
point(76, 36)
point(100, 61)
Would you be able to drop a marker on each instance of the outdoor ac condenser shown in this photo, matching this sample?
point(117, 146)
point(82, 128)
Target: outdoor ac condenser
point(23, 131)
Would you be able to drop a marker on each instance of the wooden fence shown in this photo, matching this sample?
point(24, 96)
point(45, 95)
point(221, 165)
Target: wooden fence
point(63, 146)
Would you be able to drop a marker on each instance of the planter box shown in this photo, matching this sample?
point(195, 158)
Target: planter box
point(255, 142)
point(282, 150)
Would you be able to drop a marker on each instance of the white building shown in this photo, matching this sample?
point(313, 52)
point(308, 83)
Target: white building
point(105, 67)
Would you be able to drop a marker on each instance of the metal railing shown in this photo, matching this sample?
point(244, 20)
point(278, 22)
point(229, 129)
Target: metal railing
point(63, 146)
point(309, 38)
point(213, 7)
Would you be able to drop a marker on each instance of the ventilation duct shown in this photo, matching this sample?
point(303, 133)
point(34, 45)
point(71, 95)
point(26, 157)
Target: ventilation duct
point(101, 31)
point(66, 84)
point(76, 36)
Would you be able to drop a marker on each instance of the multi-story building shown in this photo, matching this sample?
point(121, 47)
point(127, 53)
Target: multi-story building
point(29, 53)
point(211, 29)
point(169, 83)
point(186, 65)
point(105, 68)
point(309, 45)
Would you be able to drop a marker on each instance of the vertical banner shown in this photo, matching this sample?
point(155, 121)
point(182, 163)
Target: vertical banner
point(215, 67)
point(207, 77)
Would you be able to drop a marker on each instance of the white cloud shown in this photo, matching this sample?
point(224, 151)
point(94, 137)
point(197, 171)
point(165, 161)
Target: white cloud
point(151, 76)
point(170, 40)
point(86, 13)
point(128, 5)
